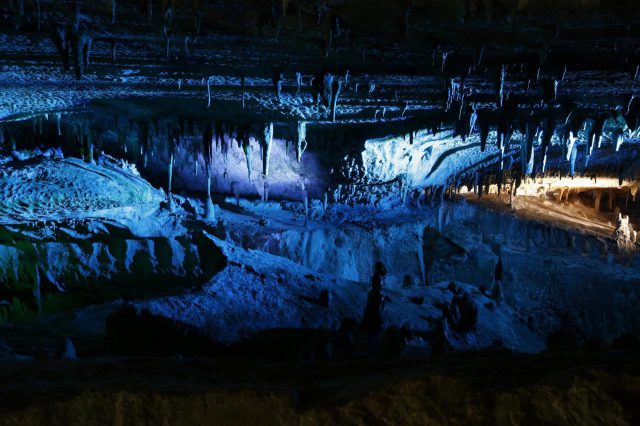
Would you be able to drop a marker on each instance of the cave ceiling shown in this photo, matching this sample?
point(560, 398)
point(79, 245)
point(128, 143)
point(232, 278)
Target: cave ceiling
point(536, 85)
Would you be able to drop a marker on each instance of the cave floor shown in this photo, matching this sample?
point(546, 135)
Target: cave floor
point(473, 388)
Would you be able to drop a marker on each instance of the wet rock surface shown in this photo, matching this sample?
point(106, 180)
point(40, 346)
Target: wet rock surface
point(314, 212)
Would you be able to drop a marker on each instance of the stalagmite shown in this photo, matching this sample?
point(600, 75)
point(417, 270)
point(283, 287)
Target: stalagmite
point(301, 144)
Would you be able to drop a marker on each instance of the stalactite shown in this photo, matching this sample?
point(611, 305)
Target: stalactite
point(187, 40)
point(328, 42)
point(337, 87)
point(501, 147)
point(526, 146)
point(242, 84)
point(20, 16)
point(301, 144)
point(476, 180)
point(266, 149)
point(90, 145)
point(113, 5)
point(167, 39)
point(611, 196)
point(235, 189)
point(207, 146)
point(472, 121)
point(618, 142)
point(62, 43)
point(172, 147)
point(598, 129)
point(305, 201)
point(325, 203)
point(483, 123)
point(143, 136)
point(87, 51)
point(632, 115)
point(445, 56)
point(277, 78)
point(219, 134)
point(547, 133)
point(573, 154)
point(246, 148)
point(503, 78)
point(38, 14)
point(454, 92)
point(113, 51)
point(149, 11)
point(597, 200)
point(209, 80)
point(265, 190)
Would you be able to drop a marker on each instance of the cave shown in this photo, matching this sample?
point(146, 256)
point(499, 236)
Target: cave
point(319, 212)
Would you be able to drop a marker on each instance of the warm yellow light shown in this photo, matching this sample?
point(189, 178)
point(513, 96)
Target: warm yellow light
point(540, 186)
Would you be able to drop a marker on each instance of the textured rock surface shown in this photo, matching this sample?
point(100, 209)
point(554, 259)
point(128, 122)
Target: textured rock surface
point(491, 388)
